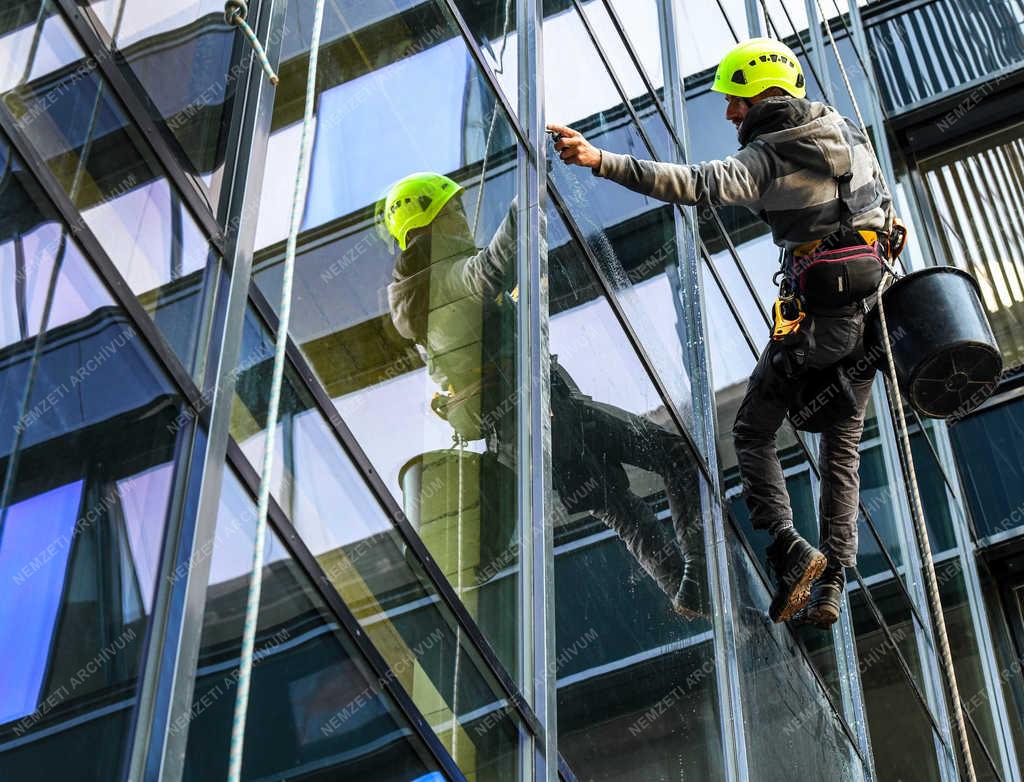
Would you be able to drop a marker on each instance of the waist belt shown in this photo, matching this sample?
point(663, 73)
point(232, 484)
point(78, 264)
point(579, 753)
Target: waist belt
point(869, 237)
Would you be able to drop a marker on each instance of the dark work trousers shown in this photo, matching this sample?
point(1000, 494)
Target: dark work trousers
point(591, 445)
point(835, 339)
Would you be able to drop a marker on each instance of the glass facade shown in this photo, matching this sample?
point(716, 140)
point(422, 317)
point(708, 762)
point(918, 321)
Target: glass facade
point(504, 445)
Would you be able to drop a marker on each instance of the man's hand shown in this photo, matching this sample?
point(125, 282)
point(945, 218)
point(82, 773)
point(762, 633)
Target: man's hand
point(574, 149)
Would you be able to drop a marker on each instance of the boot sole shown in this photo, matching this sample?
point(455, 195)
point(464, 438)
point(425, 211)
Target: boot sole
point(823, 616)
point(820, 618)
point(801, 591)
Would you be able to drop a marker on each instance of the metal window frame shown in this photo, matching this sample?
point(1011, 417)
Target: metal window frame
point(536, 603)
point(84, 24)
point(923, 633)
point(728, 685)
point(159, 752)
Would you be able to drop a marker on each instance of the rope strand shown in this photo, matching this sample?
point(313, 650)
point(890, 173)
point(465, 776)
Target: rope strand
point(234, 14)
point(273, 405)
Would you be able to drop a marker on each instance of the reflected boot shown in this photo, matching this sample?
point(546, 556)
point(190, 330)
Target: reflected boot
point(687, 602)
point(655, 549)
point(795, 565)
point(826, 599)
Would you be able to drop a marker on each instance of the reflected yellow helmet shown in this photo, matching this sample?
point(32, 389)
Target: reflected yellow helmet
point(414, 202)
point(754, 66)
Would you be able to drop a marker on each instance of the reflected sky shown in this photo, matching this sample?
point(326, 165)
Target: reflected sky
point(28, 616)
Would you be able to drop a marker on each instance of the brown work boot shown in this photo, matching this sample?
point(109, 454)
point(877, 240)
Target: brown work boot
point(826, 599)
point(795, 565)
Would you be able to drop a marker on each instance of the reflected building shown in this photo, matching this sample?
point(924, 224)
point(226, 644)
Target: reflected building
point(471, 573)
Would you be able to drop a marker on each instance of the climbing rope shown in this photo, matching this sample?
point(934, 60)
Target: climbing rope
point(913, 489)
point(235, 12)
point(456, 679)
point(263, 502)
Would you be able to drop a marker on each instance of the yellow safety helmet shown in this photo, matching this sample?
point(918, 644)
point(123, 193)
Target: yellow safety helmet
point(754, 66)
point(414, 202)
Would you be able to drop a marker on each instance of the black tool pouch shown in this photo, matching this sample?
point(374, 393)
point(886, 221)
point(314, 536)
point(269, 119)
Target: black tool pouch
point(843, 268)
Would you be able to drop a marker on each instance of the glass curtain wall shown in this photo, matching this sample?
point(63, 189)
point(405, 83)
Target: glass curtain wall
point(422, 370)
point(598, 209)
point(63, 105)
point(363, 557)
point(332, 716)
point(737, 321)
point(88, 464)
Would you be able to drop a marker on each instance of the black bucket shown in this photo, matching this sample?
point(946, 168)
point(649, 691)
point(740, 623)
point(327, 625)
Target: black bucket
point(947, 360)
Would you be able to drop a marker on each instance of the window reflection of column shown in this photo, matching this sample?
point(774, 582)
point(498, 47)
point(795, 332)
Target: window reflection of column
point(21, 306)
point(174, 252)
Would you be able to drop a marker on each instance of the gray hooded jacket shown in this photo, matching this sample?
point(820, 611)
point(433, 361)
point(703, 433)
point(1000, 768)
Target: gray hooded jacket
point(792, 151)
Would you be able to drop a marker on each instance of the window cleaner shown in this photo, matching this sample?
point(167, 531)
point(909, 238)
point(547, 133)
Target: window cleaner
point(812, 176)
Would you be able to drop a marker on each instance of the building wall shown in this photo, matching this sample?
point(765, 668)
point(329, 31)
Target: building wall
point(476, 513)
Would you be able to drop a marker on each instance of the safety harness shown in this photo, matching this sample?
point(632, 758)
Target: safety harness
point(832, 273)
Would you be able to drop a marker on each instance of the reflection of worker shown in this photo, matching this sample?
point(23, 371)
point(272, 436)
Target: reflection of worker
point(458, 304)
point(810, 174)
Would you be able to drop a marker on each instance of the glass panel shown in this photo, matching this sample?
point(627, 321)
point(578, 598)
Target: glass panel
point(902, 740)
point(634, 238)
point(179, 56)
point(935, 499)
point(86, 449)
point(975, 694)
point(781, 692)
point(878, 493)
point(77, 126)
point(975, 193)
point(705, 31)
point(938, 46)
point(378, 577)
point(642, 22)
point(636, 682)
point(988, 451)
point(626, 72)
point(1002, 595)
point(316, 711)
point(493, 24)
point(417, 347)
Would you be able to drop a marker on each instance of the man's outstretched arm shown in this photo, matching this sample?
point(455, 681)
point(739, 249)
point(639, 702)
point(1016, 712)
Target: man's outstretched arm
point(738, 180)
